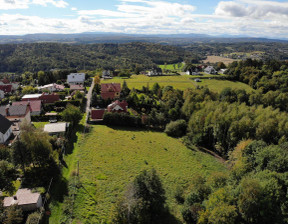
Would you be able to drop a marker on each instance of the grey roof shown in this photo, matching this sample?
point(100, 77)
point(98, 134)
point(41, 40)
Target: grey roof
point(55, 127)
point(5, 124)
point(24, 197)
point(76, 77)
point(14, 110)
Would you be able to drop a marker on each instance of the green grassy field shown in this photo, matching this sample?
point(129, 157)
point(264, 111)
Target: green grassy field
point(111, 158)
point(219, 85)
point(172, 67)
point(181, 82)
point(40, 125)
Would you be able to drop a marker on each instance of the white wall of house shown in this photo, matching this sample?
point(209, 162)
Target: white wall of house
point(27, 117)
point(2, 94)
point(4, 137)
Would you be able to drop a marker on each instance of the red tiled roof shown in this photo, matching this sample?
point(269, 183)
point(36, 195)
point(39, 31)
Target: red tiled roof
point(34, 105)
point(108, 95)
point(97, 114)
point(6, 88)
point(108, 90)
point(49, 98)
point(110, 87)
point(5, 81)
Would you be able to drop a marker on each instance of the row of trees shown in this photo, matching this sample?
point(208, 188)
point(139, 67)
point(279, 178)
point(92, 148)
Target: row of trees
point(254, 191)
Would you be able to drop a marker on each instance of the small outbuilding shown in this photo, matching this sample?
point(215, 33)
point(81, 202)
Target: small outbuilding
point(25, 199)
point(56, 128)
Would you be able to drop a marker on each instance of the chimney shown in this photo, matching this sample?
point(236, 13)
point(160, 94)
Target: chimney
point(7, 110)
point(15, 197)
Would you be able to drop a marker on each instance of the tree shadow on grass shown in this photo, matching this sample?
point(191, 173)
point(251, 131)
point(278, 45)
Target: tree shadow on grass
point(87, 192)
point(134, 129)
point(167, 218)
point(72, 138)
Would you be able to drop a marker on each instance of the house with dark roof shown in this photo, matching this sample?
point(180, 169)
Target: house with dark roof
point(110, 90)
point(15, 113)
point(35, 106)
point(118, 107)
point(76, 79)
point(25, 199)
point(5, 129)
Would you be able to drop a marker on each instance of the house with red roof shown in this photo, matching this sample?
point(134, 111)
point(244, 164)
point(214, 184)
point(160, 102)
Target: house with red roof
point(110, 90)
point(118, 107)
point(35, 106)
point(97, 114)
point(6, 88)
point(45, 98)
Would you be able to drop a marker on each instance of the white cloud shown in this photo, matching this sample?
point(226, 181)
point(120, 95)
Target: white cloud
point(24, 4)
point(254, 9)
point(240, 17)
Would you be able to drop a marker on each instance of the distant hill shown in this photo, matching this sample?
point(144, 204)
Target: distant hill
point(89, 38)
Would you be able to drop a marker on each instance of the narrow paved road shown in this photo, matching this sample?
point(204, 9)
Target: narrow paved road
point(88, 96)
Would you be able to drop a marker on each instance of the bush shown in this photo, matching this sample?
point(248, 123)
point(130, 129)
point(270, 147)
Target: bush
point(176, 128)
point(33, 218)
point(121, 119)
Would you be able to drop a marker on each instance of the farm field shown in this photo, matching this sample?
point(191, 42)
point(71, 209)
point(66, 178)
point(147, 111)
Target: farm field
point(215, 59)
point(111, 158)
point(137, 81)
point(179, 82)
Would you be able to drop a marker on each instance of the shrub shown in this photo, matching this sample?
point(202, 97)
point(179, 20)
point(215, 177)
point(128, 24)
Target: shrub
point(176, 128)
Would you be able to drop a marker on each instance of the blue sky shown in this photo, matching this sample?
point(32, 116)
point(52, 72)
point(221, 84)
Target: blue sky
point(256, 18)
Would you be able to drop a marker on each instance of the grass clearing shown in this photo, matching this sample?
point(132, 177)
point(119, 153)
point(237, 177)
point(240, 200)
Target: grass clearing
point(111, 158)
point(215, 59)
point(173, 67)
point(181, 82)
point(219, 85)
point(138, 81)
point(40, 125)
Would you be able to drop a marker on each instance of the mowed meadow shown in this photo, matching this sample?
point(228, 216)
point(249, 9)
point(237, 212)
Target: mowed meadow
point(110, 158)
point(181, 82)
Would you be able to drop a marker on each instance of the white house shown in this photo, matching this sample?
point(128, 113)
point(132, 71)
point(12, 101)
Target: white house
point(5, 129)
point(76, 79)
point(25, 199)
point(210, 70)
point(52, 87)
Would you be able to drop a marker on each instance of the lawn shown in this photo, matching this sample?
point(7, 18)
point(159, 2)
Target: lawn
point(110, 158)
point(219, 85)
point(172, 67)
point(181, 82)
point(40, 125)
point(137, 81)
